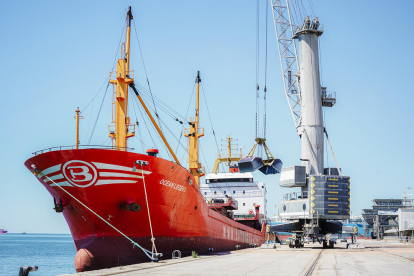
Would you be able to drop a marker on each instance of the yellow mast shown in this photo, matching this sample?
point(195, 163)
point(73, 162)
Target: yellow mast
point(123, 77)
point(77, 117)
point(194, 132)
point(229, 158)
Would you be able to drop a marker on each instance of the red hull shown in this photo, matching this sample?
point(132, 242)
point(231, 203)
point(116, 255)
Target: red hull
point(104, 180)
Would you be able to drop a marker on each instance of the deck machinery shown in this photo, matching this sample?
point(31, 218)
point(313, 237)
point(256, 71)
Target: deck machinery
point(324, 198)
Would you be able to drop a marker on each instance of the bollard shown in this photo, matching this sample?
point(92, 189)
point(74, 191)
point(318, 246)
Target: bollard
point(156, 257)
point(176, 254)
point(24, 270)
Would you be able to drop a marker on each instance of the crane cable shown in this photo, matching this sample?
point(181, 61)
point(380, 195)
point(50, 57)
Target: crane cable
point(257, 66)
point(265, 88)
point(106, 81)
point(211, 122)
point(99, 113)
point(146, 76)
point(186, 113)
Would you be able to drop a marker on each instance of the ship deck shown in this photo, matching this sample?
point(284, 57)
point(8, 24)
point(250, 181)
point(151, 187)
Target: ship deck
point(378, 258)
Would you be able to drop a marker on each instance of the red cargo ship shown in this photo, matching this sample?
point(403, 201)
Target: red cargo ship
point(118, 203)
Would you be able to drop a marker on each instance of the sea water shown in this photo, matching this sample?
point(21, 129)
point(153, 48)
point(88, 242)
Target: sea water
point(53, 254)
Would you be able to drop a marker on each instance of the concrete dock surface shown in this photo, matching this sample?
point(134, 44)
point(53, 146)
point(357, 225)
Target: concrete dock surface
point(378, 258)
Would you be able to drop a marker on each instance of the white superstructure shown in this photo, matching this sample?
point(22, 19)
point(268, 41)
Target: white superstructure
point(239, 186)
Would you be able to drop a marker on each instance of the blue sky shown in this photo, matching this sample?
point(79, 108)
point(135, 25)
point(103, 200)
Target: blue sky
point(57, 54)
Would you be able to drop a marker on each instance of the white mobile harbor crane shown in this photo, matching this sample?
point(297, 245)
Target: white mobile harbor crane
point(324, 199)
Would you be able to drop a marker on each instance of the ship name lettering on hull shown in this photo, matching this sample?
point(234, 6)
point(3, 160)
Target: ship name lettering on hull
point(172, 185)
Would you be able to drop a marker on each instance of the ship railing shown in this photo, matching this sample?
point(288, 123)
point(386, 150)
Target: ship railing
point(82, 147)
point(329, 94)
point(237, 194)
point(113, 76)
point(130, 129)
point(295, 196)
point(244, 216)
point(200, 131)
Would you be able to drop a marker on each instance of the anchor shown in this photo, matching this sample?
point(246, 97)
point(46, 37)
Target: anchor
point(58, 207)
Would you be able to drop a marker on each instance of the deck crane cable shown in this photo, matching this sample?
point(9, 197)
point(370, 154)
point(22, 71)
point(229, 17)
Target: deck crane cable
point(257, 66)
point(106, 82)
point(37, 172)
point(160, 103)
point(173, 135)
point(100, 89)
point(162, 108)
point(170, 131)
point(147, 97)
point(165, 108)
point(186, 113)
point(139, 129)
point(145, 122)
point(211, 121)
point(90, 120)
point(97, 117)
point(254, 159)
point(205, 160)
point(146, 75)
point(113, 66)
point(106, 140)
point(153, 128)
point(265, 87)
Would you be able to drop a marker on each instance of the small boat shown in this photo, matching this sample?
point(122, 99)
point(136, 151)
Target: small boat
point(2, 231)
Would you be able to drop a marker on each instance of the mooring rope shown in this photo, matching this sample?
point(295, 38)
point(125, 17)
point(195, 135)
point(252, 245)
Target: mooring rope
point(37, 172)
point(149, 217)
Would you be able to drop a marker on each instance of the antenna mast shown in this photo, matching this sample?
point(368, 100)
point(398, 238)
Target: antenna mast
point(123, 77)
point(193, 133)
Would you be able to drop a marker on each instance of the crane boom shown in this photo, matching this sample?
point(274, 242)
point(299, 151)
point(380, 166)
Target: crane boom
point(288, 57)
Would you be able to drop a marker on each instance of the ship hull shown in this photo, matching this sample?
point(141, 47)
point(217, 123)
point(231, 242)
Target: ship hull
point(163, 197)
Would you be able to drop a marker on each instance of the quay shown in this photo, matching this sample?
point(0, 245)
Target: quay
point(377, 258)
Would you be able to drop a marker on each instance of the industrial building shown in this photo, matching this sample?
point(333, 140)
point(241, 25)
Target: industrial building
point(390, 218)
